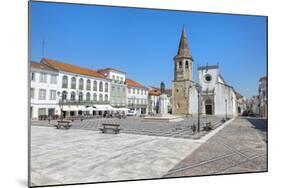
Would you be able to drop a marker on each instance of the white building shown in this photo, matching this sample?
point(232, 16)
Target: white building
point(43, 91)
point(118, 91)
point(137, 97)
point(68, 88)
point(153, 99)
point(217, 97)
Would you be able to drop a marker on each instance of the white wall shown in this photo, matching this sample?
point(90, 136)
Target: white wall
point(84, 91)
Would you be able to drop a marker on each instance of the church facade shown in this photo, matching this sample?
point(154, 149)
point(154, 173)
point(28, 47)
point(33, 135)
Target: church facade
point(216, 96)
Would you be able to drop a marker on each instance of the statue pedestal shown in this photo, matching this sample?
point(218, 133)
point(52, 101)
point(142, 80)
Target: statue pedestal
point(163, 105)
point(163, 115)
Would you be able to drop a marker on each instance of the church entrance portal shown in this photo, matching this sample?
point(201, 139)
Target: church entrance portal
point(208, 109)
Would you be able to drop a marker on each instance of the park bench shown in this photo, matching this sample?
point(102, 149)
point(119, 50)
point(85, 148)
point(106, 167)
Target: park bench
point(63, 123)
point(208, 127)
point(110, 126)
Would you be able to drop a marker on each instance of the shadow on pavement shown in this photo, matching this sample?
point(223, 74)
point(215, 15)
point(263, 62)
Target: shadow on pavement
point(260, 125)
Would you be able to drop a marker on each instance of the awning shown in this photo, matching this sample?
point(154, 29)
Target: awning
point(100, 107)
point(124, 109)
point(73, 108)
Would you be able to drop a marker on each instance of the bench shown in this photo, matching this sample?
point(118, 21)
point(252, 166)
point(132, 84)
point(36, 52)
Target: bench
point(208, 127)
point(63, 123)
point(110, 126)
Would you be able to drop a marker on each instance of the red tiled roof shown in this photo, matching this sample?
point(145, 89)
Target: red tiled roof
point(132, 83)
point(155, 92)
point(109, 70)
point(42, 66)
point(71, 68)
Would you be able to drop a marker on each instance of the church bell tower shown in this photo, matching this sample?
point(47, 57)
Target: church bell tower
point(183, 68)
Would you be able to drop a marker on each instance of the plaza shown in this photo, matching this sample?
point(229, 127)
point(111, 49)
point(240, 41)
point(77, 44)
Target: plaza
point(144, 150)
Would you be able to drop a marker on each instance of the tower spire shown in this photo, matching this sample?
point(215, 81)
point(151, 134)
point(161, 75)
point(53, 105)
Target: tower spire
point(183, 50)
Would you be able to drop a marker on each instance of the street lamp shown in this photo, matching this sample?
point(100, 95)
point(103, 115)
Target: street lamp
point(61, 105)
point(225, 109)
point(198, 89)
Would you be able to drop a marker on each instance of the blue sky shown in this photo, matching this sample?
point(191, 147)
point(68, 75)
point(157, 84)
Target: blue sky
point(143, 42)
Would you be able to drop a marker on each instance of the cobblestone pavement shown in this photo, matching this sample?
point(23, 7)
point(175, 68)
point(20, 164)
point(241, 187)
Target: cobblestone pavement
point(135, 125)
point(239, 147)
point(81, 156)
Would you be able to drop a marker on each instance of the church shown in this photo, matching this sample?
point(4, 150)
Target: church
point(216, 97)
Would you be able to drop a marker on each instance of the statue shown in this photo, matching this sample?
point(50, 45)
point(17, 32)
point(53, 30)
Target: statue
point(162, 88)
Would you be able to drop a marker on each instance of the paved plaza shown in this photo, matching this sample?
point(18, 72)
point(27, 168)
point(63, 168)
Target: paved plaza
point(135, 125)
point(74, 156)
point(83, 154)
point(239, 147)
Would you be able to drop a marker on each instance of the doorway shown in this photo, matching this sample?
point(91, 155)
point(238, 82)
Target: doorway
point(209, 109)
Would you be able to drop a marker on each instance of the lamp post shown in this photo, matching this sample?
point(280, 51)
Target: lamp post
point(61, 104)
point(225, 109)
point(198, 89)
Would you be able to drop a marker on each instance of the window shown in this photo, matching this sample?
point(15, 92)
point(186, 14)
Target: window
point(100, 97)
point(113, 77)
point(95, 97)
point(95, 86)
point(53, 79)
point(32, 93)
point(88, 96)
point(208, 77)
point(80, 96)
point(134, 91)
point(33, 76)
point(42, 111)
point(186, 64)
point(53, 94)
point(42, 94)
point(106, 87)
point(106, 98)
point(180, 65)
point(43, 78)
point(138, 91)
point(64, 82)
point(88, 86)
point(73, 83)
point(72, 95)
point(81, 83)
point(101, 86)
point(129, 90)
point(64, 95)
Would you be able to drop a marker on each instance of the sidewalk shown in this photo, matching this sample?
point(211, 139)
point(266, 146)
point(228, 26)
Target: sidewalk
point(237, 148)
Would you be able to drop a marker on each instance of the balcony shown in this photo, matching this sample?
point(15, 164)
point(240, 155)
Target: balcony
point(70, 102)
point(137, 105)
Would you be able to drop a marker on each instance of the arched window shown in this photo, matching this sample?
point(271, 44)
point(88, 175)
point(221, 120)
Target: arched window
point(186, 64)
point(81, 83)
point(95, 97)
point(100, 97)
point(180, 65)
point(106, 87)
point(95, 86)
point(88, 85)
point(64, 95)
point(80, 96)
point(73, 83)
point(106, 98)
point(64, 82)
point(101, 86)
point(72, 96)
point(88, 96)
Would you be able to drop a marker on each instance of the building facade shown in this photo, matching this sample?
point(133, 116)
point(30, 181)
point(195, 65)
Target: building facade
point(137, 97)
point(118, 88)
point(216, 97)
point(183, 66)
point(43, 91)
